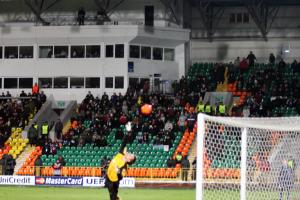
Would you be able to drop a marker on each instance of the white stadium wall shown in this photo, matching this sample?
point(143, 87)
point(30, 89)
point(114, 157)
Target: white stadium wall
point(227, 51)
point(102, 67)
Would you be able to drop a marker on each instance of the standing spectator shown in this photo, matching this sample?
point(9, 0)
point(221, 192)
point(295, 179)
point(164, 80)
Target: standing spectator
point(8, 164)
point(237, 62)
point(220, 72)
point(32, 134)
point(43, 97)
point(35, 89)
point(203, 90)
point(191, 122)
point(194, 164)
point(7, 94)
point(251, 58)
point(38, 163)
point(178, 158)
point(286, 178)
point(281, 66)
point(221, 109)
point(45, 131)
point(208, 109)
point(294, 66)
point(244, 65)
point(81, 16)
point(272, 59)
point(185, 163)
point(104, 165)
point(58, 129)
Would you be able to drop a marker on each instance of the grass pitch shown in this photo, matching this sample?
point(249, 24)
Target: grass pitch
point(56, 193)
point(64, 193)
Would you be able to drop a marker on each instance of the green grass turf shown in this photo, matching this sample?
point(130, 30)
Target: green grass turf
point(55, 193)
point(59, 193)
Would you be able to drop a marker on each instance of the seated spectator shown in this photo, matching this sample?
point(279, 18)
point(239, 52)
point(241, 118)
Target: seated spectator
point(62, 161)
point(244, 65)
point(182, 122)
point(46, 148)
point(168, 126)
point(119, 134)
point(57, 168)
point(171, 162)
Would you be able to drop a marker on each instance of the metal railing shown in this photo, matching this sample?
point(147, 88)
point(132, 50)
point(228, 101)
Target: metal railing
point(140, 173)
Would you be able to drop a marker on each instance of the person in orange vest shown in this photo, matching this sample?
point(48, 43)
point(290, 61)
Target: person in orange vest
point(35, 89)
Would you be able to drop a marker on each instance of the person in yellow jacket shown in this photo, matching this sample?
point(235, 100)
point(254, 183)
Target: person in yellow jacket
point(118, 167)
point(221, 109)
point(200, 108)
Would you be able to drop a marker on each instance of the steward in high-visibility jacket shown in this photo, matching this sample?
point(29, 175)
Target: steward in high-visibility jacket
point(178, 158)
point(200, 107)
point(45, 130)
point(222, 109)
point(208, 108)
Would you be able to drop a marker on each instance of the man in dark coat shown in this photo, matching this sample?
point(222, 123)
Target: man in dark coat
point(185, 163)
point(58, 129)
point(32, 134)
point(251, 58)
point(286, 178)
point(38, 163)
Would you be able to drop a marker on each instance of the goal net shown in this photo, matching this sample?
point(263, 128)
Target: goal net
point(248, 158)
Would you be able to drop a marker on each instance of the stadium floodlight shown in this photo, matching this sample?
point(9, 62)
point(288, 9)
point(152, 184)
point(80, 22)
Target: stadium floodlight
point(248, 158)
point(287, 48)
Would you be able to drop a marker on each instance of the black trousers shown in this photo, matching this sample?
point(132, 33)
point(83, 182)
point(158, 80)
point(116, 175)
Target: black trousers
point(184, 174)
point(113, 188)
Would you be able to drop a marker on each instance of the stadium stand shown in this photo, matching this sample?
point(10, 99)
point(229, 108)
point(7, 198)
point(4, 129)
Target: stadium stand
point(98, 127)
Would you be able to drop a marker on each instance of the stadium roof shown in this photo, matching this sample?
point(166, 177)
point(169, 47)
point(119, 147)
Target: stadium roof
point(263, 12)
point(245, 2)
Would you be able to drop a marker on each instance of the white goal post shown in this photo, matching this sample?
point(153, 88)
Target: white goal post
point(248, 158)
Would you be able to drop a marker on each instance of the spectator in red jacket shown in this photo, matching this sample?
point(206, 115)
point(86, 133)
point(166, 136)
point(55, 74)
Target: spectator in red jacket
point(35, 89)
point(244, 65)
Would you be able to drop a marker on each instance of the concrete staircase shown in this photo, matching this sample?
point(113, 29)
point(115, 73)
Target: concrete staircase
point(66, 127)
point(22, 157)
point(191, 158)
point(221, 87)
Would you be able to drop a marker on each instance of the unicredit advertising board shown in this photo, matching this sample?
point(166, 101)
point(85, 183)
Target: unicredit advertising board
point(62, 181)
point(99, 182)
point(17, 180)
